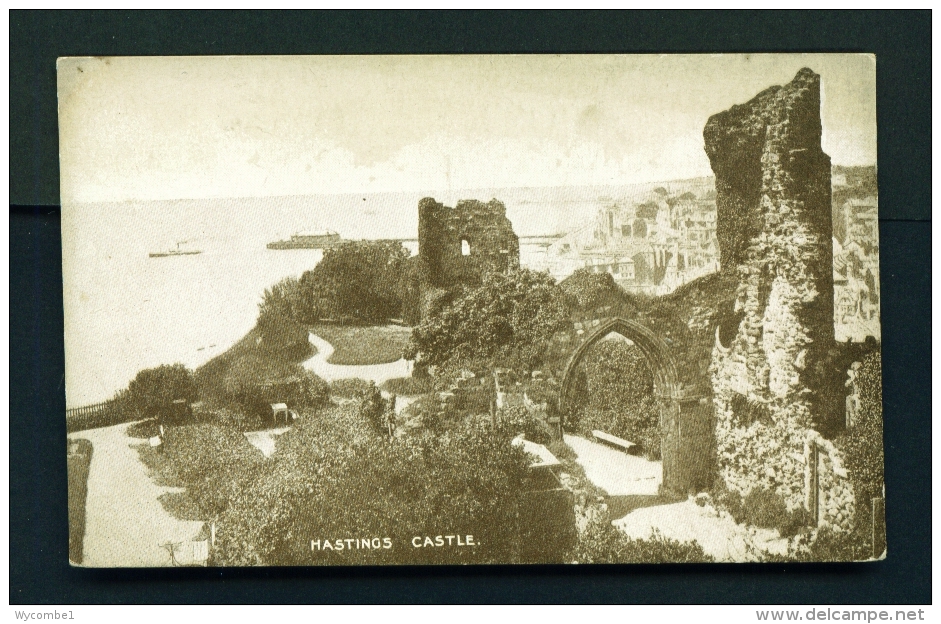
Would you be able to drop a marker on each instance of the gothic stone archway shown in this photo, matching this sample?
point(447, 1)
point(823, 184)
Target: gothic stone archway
point(688, 446)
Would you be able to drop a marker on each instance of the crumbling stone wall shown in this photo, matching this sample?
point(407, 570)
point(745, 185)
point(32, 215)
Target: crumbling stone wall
point(774, 231)
point(827, 484)
point(444, 232)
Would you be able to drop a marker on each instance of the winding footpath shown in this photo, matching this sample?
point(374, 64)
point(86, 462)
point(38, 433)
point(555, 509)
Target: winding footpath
point(378, 373)
point(125, 524)
point(614, 471)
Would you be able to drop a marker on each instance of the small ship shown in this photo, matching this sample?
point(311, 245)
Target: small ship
point(308, 240)
point(175, 252)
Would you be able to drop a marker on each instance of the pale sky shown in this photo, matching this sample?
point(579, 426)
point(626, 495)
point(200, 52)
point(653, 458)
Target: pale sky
point(149, 128)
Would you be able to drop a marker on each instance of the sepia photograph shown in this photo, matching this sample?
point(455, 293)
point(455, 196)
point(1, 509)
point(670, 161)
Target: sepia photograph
point(471, 309)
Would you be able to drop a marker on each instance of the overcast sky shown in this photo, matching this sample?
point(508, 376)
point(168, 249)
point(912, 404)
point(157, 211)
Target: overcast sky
point(146, 128)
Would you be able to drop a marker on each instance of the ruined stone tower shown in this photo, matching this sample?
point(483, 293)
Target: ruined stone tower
point(774, 231)
point(457, 246)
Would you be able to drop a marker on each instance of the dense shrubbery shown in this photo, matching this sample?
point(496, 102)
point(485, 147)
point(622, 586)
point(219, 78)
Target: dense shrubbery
point(352, 388)
point(863, 455)
point(761, 508)
point(409, 386)
point(508, 320)
point(603, 543)
point(617, 396)
point(333, 477)
point(263, 368)
point(249, 387)
point(153, 391)
point(862, 444)
point(520, 420)
point(355, 281)
point(371, 408)
point(212, 462)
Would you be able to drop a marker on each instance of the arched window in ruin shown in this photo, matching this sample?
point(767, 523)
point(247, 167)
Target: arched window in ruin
point(465, 248)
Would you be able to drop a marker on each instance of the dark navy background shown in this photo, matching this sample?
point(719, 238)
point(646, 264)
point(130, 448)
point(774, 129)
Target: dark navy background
point(39, 570)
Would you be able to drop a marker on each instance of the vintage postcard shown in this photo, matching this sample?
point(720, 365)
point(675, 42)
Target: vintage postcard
point(394, 310)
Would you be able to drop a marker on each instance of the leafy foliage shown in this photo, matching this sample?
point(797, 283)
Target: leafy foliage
point(153, 391)
point(286, 298)
point(352, 388)
point(519, 419)
point(212, 462)
point(334, 477)
point(408, 386)
point(509, 320)
point(603, 543)
point(357, 281)
point(263, 368)
point(617, 396)
point(862, 444)
point(371, 407)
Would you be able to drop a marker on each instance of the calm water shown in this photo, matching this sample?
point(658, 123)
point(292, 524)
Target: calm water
point(126, 311)
point(162, 310)
point(129, 311)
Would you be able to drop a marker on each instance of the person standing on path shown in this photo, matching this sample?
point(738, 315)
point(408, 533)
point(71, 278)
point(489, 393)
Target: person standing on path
point(390, 416)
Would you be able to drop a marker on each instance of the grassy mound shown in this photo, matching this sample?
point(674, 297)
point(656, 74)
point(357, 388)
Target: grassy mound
point(357, 345)
point(270, 351)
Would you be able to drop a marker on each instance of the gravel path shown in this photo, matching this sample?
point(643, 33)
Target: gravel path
point(371, 372)
point(718, 534)
point(632, 483)
point(614, 471)
point(125, 524)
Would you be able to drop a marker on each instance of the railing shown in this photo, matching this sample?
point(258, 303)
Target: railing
point(90, 410)
point(103, 414)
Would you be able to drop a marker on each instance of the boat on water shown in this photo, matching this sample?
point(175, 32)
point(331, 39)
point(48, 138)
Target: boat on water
point(175, 252)
point(309, 240)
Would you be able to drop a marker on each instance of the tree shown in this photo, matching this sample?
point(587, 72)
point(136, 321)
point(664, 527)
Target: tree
point(355, 281)
point(618, 395)
point(153, 391)
point(286, 299)
point(334, 476)
point(509, 319)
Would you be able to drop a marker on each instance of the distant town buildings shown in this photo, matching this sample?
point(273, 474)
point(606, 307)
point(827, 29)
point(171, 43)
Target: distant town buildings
point(656, 241)
point(651, 244)
point(856, 271)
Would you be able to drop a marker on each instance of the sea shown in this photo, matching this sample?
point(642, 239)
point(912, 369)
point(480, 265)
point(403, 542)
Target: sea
point(126, 311)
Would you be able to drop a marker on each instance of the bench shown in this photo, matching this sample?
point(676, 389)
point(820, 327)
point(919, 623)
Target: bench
point(613, 440)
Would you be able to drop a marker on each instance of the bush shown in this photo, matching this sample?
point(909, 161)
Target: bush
point(352, 388)
point(603, 543)
point(616, 394)
point(211, 462)
point(408, 386)
point(761, 508)
point(372, 408)
point(286, 299)
point(270, 351)
point(235, 419)
point(425, 410)
point(153, 391)
point(334, 477)
point(508, 320)
point(862, 444)
point(255, 393)
point(355, 281)
point(518, 420)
